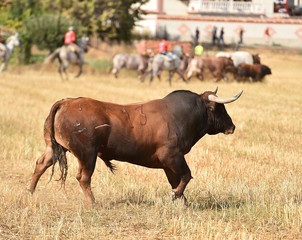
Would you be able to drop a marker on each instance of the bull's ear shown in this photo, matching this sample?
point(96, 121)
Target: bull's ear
point(211, 105)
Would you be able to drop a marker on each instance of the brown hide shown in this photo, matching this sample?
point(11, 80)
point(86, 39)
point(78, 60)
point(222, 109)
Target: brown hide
point(155, 134)
point(256, 59)
point(255, 71)
point(113, 126)
point(218, 66)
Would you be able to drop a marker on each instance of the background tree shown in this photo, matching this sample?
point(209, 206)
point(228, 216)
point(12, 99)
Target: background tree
point(13, 14)
point(113, 19)
point(47, 31)
point(44, 22)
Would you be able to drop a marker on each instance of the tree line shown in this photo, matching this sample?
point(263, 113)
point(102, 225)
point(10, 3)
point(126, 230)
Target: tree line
point(44, 22)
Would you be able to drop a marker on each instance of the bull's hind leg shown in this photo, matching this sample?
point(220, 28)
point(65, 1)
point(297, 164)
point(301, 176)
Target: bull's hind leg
point(86, 168)
point(44, 162)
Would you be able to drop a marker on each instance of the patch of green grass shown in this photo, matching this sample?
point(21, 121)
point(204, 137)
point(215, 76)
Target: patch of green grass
point(100, 65)
point(37, 58)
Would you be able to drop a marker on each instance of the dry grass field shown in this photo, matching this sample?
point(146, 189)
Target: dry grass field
point(246, 186)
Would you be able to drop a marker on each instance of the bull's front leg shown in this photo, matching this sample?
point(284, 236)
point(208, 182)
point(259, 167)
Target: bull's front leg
point(225, 77)
point(179, 175)
point(217, 75)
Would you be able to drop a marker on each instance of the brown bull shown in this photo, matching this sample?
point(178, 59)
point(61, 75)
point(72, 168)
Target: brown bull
point(154, 134)
point(218, 66)
point(253, 72)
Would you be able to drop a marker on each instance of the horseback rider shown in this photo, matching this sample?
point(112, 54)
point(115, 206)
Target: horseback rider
point(70, 38)
point(163, 49)
point(198, 50)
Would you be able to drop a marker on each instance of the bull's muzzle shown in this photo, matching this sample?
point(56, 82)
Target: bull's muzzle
point(230, 130)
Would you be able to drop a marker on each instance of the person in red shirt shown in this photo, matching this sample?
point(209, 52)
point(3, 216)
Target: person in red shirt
point(163, 48)
point(267, 35)
point(70, 36)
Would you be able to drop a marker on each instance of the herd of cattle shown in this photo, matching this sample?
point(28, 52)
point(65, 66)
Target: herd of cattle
point(243, 65)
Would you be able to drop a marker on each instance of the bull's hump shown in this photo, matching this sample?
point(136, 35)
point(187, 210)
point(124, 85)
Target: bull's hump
point(181, 95)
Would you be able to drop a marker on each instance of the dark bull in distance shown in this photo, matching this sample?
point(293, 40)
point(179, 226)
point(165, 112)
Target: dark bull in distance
point(154, 134)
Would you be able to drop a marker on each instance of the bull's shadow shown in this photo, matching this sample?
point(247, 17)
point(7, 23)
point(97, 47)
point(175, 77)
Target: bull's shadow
point(129, 198)
point(210, 202)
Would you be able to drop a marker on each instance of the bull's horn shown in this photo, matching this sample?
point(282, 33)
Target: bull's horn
point(216, 90)
point(224, 100)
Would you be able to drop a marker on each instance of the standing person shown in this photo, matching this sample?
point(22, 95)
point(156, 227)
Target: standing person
point(267, 36)
point(214, 37)
point(241, 36)
point(163, 48)
point(196, 35)
point(198, 50)
point(221, 37)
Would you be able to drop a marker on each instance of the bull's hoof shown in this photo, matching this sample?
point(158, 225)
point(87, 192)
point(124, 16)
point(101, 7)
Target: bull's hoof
point(181, 197)
point(29, 191)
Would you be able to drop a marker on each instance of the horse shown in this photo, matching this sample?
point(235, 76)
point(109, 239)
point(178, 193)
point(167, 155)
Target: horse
point(69, 54)
point(136, 62)
point(161, 62)
point(7, 49)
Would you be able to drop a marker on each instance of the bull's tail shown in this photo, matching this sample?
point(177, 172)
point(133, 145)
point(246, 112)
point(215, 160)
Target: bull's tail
point(52, 56)
point(59, 152)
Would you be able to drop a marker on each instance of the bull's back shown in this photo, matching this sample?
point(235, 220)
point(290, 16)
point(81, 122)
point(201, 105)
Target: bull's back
point(138, 130)
point(122, 132)
point(210, 63)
